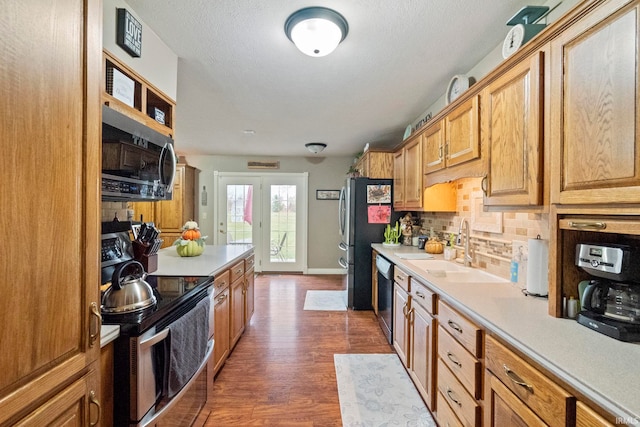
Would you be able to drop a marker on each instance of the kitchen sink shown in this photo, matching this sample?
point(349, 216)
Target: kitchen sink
point(454, 273)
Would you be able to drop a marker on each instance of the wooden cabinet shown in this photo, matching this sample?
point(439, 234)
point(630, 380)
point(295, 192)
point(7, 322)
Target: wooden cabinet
point(408, 177)
point(148, 101)
point(170, 215)
point(512, 132)
point(595, 101)
point(433, 146)
point(249, 288)
point(376, 164)
point(222, 311)
point(422, 352)
point(106, 383)
point(587, 417)
point(236, 294)
point(459, 370)
point(503, 408)
point(50, 129)
point(400, 322)
point(524, 387)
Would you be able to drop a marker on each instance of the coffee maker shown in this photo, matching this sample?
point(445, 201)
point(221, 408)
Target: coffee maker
point(611, 300)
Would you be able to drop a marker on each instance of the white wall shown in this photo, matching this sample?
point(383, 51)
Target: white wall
point(157, 63)
point(325, 173)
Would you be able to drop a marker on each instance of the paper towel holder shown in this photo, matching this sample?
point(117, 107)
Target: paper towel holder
point(540, 290)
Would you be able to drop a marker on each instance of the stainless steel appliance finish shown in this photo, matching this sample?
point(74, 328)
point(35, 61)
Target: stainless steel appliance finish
point(142, 351)
point(611, 301)
point(138, 163)
point(385, 296)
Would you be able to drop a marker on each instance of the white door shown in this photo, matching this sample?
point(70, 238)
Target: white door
point(268, 211)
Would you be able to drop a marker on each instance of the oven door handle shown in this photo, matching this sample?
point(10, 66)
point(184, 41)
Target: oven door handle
point(162, 335)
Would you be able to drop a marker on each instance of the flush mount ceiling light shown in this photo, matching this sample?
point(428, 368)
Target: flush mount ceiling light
point(316, 31)
point(315, 147)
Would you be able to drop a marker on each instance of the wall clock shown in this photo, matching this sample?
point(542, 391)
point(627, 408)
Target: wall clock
point(517, 36)
point(458, 84)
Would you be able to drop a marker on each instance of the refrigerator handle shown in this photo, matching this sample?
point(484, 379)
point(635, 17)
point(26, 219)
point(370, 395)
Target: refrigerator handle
point(342, 207)
point(342, 246)
point(343, 263)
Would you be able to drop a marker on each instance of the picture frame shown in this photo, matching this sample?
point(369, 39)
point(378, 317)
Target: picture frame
point(327, 194)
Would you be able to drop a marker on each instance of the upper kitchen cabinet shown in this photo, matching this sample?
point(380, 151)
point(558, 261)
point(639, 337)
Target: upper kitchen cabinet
point(50, 187)
point(453, 141)
point(407, 174)
point(512, 120)
point(376, 164)
point(146, 103)
point(595, 102)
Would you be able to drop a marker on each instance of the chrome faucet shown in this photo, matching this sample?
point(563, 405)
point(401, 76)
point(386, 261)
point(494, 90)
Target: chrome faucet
point(464, 226)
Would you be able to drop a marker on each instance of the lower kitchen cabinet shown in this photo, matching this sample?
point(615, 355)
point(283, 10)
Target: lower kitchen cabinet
point(236, 304)
point(505, 409)
point(249, 286)
point(401, 306)
point(517, 385)
point(446, 415)
point(587, 417)
point(106, 384)
point(221, 322)
point(422, 326)
point(467, 408)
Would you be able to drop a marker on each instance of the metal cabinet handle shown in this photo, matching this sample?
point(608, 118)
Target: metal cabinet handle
point(453, 325)
point(93, 400)
point(451, 395)
point(221, 298)
point(94, 328)
point(421, 295)
point(483, 184)
point(221, 284)
point(598, 225)
point(440, 152)
point(516, 379)
point(453, 359)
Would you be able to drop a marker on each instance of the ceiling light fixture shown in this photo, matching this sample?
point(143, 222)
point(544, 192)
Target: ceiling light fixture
point(315, 147)
point(316, 31)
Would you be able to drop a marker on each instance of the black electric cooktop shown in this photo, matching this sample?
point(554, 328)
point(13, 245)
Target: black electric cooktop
point(175, 296)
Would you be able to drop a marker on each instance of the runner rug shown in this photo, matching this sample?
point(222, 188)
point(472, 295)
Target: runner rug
point(375, 390)
point(326, 300)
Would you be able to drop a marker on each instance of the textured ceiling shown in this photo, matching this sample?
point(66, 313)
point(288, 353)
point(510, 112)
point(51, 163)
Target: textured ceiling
point(237, 70)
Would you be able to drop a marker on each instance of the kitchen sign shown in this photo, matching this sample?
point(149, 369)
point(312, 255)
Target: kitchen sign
point(129, 33)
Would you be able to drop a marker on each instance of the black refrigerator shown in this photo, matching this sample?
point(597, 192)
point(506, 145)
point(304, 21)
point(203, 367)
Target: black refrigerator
point(364, 210)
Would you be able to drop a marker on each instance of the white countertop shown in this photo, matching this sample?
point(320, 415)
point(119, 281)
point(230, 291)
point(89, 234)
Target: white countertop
point(214, 259)
point(108, 333)
point(603, 369)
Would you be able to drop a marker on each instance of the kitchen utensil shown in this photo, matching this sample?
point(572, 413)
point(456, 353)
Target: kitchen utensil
point(128, 293)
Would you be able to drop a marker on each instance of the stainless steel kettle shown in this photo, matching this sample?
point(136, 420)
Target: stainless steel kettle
point(128, 293)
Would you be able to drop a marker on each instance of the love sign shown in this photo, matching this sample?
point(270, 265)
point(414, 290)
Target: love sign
point(129, 33)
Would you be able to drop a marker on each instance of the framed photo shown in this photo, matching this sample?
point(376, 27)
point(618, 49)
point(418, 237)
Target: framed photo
point(379, 193)
point(327, 194)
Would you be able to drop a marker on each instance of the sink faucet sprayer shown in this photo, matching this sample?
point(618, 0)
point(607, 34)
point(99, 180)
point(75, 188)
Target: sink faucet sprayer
point(464, 226)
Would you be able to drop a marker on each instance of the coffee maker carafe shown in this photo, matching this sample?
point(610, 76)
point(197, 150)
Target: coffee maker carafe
point(611, 301)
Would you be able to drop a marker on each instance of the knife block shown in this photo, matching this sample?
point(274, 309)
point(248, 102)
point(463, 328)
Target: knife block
point(149, 262)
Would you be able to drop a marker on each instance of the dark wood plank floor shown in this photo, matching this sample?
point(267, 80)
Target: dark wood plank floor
point(281, 372)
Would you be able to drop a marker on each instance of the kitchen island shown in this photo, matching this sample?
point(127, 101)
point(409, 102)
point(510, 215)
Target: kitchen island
point(214, 259)
point(595, 368)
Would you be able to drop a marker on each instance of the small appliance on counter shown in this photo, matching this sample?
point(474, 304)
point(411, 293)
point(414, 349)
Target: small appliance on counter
point(611, 301)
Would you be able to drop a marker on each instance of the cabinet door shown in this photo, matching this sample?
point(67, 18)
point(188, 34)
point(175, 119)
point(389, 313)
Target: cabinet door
point(145, 212)
point(587, 417)
point(400, 329)
point(505, 409)
point(398, 179)
point(170, 217)
point(236, 322)
point(422, 352)
point(462, 127)
point(249, 295)
point(433, 145)
point(513, 133)
point(50, 133)
point(413, 174)
point(221, 334)
point(595, 107)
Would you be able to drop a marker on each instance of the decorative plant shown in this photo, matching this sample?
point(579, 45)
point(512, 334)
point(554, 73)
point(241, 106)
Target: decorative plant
point(191, 242)
point(392, 235)
point(451, 240)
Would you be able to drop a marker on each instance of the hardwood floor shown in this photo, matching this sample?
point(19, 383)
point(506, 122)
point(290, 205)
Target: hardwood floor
point(281, 372)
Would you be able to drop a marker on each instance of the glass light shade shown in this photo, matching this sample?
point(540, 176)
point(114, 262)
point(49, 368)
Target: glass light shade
point(316, 37)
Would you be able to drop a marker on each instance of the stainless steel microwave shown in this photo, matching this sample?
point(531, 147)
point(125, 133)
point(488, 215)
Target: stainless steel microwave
point(138, 163)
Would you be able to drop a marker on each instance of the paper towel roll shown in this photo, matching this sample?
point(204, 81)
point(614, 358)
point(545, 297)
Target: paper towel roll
point(538, 268)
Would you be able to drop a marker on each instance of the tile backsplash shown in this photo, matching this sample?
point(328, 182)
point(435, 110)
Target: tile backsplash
point(492, 233)
point(112, 210)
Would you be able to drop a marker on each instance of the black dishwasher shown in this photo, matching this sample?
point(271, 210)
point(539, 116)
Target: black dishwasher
point(385, 296)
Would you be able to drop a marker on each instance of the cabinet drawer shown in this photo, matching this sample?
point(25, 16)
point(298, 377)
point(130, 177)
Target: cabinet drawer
point(423, 296)
point(237, 271)
point(249, 262)
point(587, 417)
point(464, 366)
point(549, 401)
point(457, 397)
point(220, 282)
point(401, 278)
point(463, 330)
point(445, 415)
